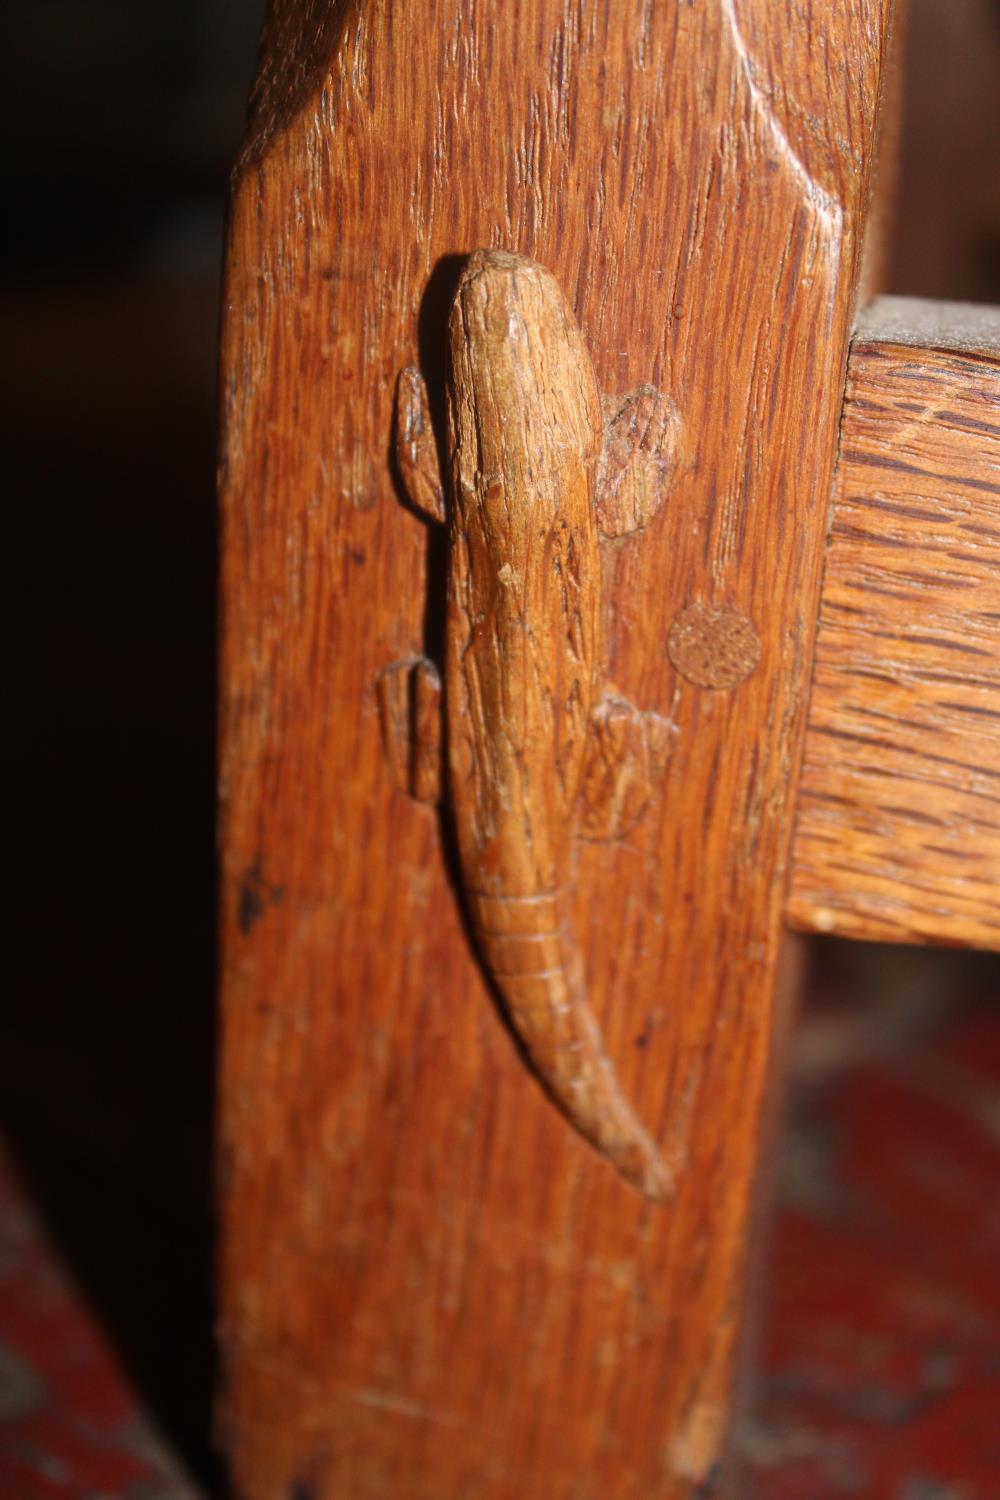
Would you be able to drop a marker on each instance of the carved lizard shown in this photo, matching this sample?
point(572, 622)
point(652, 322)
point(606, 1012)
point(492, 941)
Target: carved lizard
point(539, 474)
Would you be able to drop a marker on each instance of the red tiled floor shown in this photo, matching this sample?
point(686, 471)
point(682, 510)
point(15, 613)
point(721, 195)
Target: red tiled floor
point(883, 1335)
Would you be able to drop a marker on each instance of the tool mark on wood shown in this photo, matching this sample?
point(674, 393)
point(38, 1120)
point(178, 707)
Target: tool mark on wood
point(713, 646)
point(255, 896)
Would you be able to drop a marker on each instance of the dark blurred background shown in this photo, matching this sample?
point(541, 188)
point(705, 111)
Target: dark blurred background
point(119, 122)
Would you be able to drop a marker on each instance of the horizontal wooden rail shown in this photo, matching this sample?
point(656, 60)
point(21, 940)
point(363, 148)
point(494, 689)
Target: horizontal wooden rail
point(898, 826)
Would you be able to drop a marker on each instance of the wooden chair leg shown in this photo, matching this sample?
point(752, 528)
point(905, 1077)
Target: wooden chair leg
point(433, 1285)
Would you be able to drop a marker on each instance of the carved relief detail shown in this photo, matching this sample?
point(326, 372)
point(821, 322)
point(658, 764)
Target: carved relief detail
point(539, 749)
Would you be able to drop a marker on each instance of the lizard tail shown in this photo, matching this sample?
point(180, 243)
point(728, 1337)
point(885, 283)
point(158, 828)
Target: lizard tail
point(528, 957)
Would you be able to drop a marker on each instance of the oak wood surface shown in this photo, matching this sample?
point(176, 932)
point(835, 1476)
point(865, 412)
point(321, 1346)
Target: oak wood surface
point(430, 1287)
point(898, 826)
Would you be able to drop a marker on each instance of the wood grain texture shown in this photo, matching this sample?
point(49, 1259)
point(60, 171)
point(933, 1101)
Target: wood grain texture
point(898, 828)
point(430, 1287)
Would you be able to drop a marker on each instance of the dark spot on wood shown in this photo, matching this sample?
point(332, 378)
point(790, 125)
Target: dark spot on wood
point(256, 895)
point(251, 907)
point(311, 1482)
point(708, 1487)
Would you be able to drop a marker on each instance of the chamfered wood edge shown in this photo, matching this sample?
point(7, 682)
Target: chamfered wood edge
point(298, 41)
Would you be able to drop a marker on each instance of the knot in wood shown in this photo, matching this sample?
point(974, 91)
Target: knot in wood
point(714, 646)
